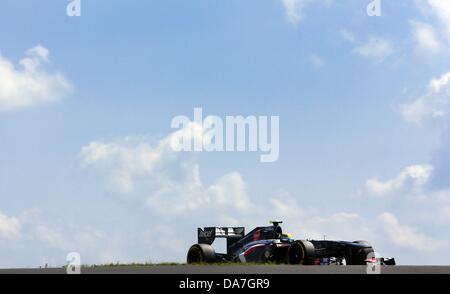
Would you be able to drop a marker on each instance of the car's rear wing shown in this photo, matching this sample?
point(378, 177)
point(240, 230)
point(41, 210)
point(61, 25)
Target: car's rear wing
point(209, 234)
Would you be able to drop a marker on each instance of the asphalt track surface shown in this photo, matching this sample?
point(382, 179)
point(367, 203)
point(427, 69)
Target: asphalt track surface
point(240, 269)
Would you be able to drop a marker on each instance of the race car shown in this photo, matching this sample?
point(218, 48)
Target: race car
point(269, 244)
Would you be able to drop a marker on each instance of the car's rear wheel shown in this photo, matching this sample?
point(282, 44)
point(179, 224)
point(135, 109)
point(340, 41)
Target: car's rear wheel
point(201, 253)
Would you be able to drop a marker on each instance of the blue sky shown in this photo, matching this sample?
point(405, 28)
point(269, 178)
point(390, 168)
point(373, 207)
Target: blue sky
point(361, 135)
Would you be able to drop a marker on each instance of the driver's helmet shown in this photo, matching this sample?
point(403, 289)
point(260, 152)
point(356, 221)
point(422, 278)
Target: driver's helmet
point(287, 236)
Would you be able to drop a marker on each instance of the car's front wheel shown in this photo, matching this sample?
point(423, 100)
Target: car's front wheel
point(359, 256)
point(301, 252)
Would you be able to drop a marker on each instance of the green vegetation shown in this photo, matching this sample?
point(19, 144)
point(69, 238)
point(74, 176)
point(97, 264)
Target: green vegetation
point(150, 264)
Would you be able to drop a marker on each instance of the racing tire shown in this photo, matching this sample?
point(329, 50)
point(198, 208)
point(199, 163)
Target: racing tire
point(267, 255)
point(201, 253)
point(301, 252)
point(362, 255)
point(359, 256)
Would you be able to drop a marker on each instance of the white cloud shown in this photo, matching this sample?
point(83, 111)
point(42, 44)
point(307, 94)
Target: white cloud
point(417, 201)
point(347, 35)
point(426, 39)
point(230, 190)
point(442, 10)
point(30, 83)
point(311, 223)
point(405, 236)
point(9, 226)
point(446, 212)
point(172, 197)
point(134, 157)
point(435, 103)
point(382, 231)
point(52, 237)
point(56, 235)
point(123, 159)
point(170, 182)
point(412, 178)
point(438, 84)
point(316, 61)
point(295, 9)
point(30, 240)
point(376, 49)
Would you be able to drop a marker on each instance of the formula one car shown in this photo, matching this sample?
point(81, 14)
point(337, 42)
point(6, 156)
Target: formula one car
point(269, 244)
